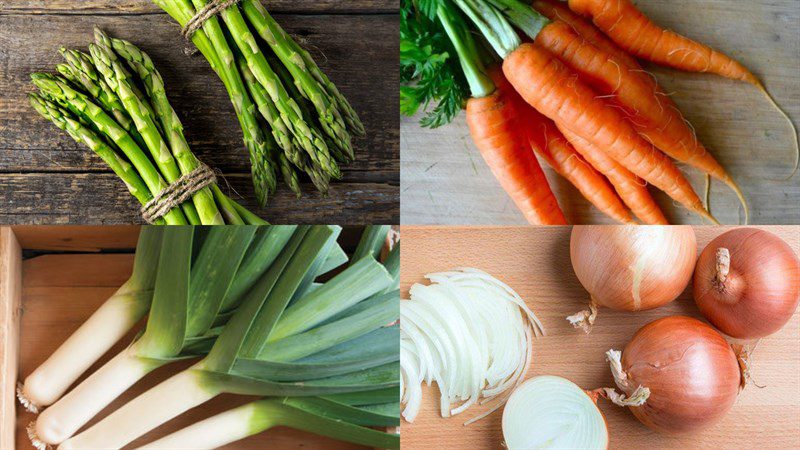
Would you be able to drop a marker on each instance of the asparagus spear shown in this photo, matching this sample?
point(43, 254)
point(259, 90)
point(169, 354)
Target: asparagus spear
point(58, 90)
point(270, 114)
point(212, 44)
point(255, 9)
point(310, 139)
point(342, 153)
point(141, 63)
point(82, 134)
point(117, 77)
point(327, 109)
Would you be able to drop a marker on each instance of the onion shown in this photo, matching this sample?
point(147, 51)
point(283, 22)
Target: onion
point(630, 268)
point(553, 412)
point(747, 283)
point(468, 332)
point(677, 374)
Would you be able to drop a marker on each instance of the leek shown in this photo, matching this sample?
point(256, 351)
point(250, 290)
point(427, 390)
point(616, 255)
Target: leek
point(100, 332)
point(372, 241)
point(187, 298)
point(325, 327)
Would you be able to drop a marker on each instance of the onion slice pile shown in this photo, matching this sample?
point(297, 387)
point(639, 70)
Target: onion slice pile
point(553, 412)
point(468, 332)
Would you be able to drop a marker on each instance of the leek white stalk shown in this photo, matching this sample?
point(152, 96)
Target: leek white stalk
point(100, 332)
point(170, 398)
point(211, 433)
point(553, 412)
point(468, 332)
point(181, 311)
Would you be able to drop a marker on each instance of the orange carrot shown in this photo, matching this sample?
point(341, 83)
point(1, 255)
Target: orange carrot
point(558, 10)
point(493, 123)
point(638, 35)
point(630, 187)
point(550, 144)
point(553, 89)
point(652, 113)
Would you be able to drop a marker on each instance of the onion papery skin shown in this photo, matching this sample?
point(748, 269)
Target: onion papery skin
point(633, 268)
point(761, 290)
point(552, 412)
point(691, 371)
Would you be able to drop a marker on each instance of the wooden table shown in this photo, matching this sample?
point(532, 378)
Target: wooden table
point(535, 262)
point(45, 177)
point(445, 181)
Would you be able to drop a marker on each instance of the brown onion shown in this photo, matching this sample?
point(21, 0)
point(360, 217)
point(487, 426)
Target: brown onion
point(631, 268)
point(680, 372)
point(747, 283)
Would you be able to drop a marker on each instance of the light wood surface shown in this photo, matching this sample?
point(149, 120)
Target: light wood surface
point(58, 293)
point(535, 262)
point(77, 238)
point(445, 181)
point(10, 287)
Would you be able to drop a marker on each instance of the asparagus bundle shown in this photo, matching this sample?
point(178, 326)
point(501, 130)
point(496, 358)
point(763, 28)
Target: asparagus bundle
point(303, 123)
point(245, 301)
point(113, 100)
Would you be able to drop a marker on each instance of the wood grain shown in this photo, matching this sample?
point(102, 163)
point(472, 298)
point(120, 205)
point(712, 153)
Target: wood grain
point(54, 309)
point(10, 289)
point(100, 198)
point(535, 262)
point(77, 238)
point(444, 179)
point(145, 7)
point(45, 177)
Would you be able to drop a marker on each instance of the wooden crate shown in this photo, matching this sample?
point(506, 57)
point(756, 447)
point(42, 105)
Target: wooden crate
point(44, 298)
point(535, 262)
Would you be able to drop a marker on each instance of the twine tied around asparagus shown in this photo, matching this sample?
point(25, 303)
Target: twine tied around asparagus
point(178, 192)
point(210, 10)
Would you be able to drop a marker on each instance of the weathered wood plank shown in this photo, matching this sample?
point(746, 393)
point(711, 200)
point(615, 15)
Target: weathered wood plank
point(445, 180)
point(102, 199)
point(145, 6)
point(364, 71)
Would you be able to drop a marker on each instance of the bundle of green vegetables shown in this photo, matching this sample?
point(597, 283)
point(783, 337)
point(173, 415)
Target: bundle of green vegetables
point(114, 101)
point(293, 117)
point(245, 301)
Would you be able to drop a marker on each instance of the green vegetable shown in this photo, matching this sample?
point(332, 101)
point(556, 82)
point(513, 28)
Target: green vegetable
point(319, 339)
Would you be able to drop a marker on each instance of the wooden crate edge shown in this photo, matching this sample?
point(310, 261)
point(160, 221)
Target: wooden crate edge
point(10, 293)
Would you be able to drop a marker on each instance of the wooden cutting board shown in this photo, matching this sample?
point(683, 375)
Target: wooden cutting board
point(445, 180)
point(535, 262)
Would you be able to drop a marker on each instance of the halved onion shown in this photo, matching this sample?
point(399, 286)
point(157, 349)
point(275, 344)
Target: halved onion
point(552, 412)
point(468, 332)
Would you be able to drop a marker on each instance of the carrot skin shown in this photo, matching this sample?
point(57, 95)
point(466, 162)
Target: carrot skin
point(630, 188)
point(494, 123)
point(652, 113)
point(555, 91)
point(629, 28)
point(548, 142)
point(558, 10)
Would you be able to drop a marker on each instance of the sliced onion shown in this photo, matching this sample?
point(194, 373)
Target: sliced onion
point(553, 412)
point(468, 332)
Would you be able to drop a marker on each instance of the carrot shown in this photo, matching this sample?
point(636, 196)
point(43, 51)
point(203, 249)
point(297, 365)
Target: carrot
point(553, 89)
point(630, 188)
point(558, 10)
point(550, 144)
point(634, 32)
point(494, 125)
point(651, 112)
